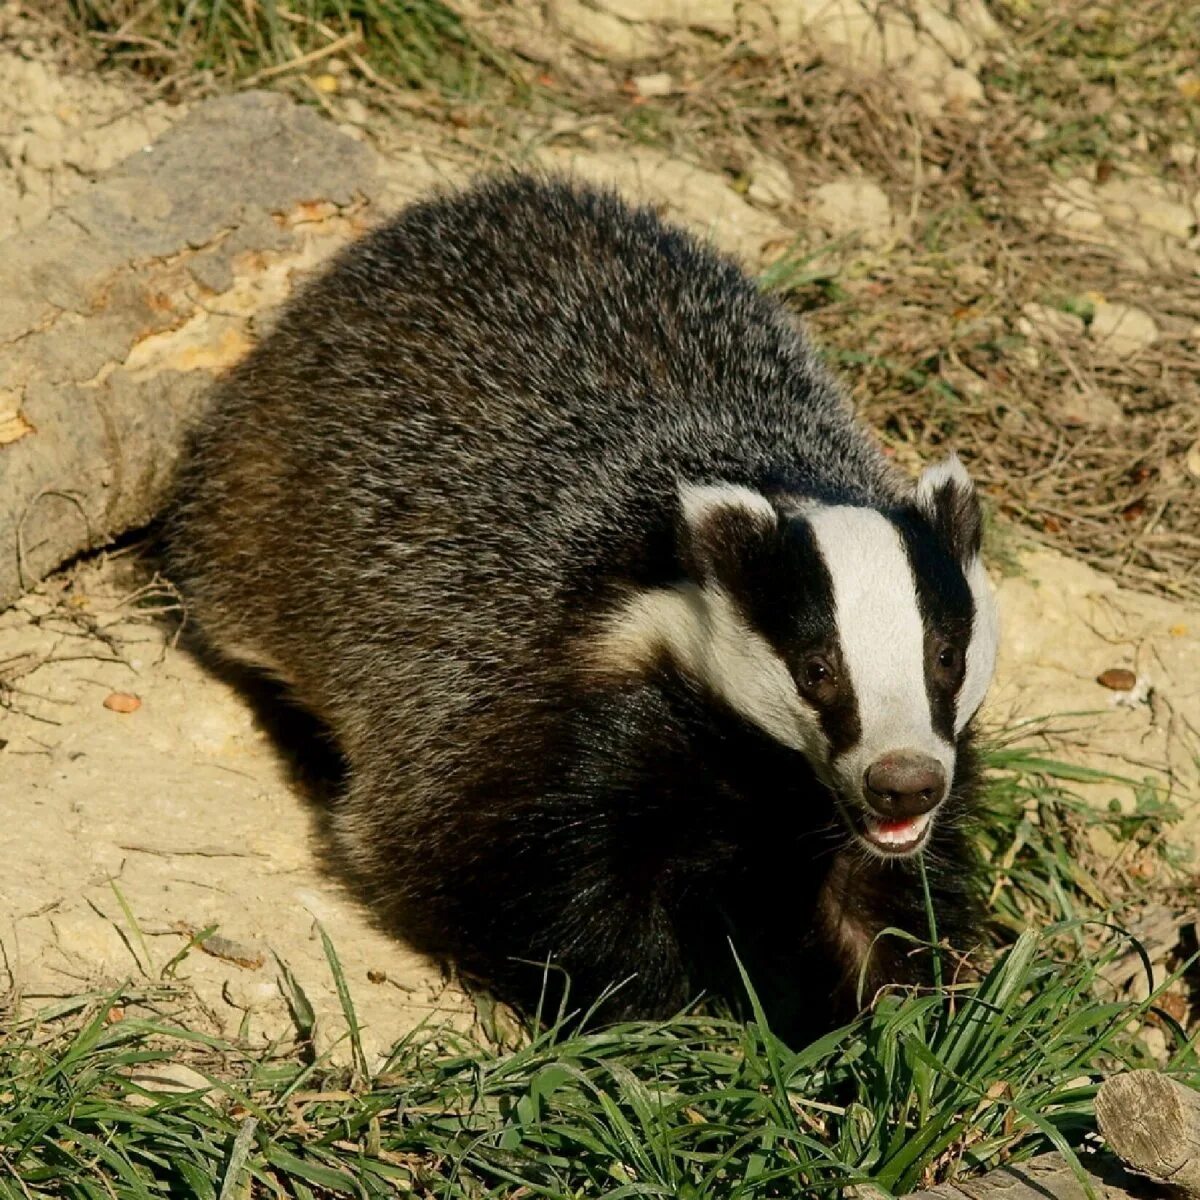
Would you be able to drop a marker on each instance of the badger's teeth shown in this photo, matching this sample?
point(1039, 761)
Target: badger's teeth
point(897, 833)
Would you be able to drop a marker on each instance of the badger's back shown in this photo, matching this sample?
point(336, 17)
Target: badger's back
point(476, 419)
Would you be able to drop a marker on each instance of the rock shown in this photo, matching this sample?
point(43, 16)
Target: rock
point(1029, 358)
point(1182, 154)
point(119, 252)
point(1146, 203)
point(936, 45)
point(1041, 319)
point(770, 183)
point(602, 34)
point(45, 127)
point(1074, 205)
point(1123, 330)
point(91, 155)
point(355, 111)
point(1076, 407)
point(1088, 406)
point(714, 16)
point(853, 206)
point(1146, 223)
point(1155, 1042)
point(1165, 216)
point(34, 89)
point(962, 87)
point(872, 35)
point(43, 154)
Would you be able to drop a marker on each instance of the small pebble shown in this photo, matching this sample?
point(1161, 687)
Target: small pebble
point(226, 949)
point(122, 702)
point(659, 84)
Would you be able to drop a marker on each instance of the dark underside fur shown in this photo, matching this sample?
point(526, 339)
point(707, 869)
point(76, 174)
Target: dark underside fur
point(412, 501)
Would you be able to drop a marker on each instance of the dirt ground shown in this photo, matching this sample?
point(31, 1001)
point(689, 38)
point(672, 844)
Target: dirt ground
point(129, 832)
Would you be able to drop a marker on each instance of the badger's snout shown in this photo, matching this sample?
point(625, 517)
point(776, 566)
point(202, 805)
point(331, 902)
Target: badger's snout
point(900, 791)
point(904, 784)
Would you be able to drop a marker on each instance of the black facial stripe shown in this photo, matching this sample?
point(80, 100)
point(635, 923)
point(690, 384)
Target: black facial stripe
point(786, 593)
point(957, 518)
point(947, 611)
point(839, 715)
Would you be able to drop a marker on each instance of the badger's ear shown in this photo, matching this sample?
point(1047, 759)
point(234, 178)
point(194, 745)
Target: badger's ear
point(946, 496)
point(722, 528)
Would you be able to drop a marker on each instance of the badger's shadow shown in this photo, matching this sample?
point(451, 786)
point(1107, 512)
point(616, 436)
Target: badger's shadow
point(316, 770)
point(314, 765)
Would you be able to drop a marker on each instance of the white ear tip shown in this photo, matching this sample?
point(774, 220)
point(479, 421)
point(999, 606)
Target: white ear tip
point(937, 475)
point(700, 500)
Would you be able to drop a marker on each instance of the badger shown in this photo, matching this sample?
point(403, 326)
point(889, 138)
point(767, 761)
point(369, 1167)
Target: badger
point(650, 672)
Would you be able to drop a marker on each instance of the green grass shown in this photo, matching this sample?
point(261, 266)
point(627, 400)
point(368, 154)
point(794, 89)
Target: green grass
point(923, 1087)
point(694, 1107)
point(404, 43)
point(1036, 835)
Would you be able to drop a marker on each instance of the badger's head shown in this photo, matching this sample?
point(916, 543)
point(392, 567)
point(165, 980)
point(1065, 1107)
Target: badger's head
point(864, 639)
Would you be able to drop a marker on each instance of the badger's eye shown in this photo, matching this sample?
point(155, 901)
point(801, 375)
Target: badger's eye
point(816, 675)
point(949, 658)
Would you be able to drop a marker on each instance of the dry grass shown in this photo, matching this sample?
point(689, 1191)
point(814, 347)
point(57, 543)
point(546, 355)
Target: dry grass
point(194, 45)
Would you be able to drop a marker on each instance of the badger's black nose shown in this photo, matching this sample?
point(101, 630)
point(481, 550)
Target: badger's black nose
point(904, 785)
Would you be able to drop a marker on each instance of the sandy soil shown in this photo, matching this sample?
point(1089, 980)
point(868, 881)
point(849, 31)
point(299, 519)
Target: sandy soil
point(128, 832)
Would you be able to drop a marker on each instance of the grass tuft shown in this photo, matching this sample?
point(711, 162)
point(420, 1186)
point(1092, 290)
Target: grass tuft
point(414, 44)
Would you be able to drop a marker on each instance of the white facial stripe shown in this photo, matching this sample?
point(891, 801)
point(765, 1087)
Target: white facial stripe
point(701, 630)
point(741, 666)
point(981, 652)
point(881, 634)
point(700, 500)
point(647, 625)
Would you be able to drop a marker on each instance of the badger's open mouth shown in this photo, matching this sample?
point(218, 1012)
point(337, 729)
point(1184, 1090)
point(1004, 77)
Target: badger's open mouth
point(899, 837)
